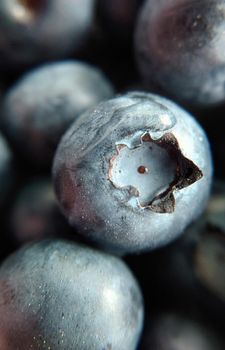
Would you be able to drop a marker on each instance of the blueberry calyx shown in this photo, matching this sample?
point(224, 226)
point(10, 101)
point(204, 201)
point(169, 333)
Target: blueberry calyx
point(164, 154)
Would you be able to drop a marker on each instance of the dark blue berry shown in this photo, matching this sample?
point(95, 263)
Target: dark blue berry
point(133, 172)
point(41, 106)
point(37, 30)
point(180, 49)
point(62, 296)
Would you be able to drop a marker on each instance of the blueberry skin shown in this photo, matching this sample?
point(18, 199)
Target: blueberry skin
point(62, 296)
point(112, 214)
point(6, 170)
point(36, 30)
point(45, 101)
point(180, 49)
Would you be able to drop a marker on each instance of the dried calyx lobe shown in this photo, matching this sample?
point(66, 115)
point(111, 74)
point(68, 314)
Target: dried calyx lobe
point(185, 174)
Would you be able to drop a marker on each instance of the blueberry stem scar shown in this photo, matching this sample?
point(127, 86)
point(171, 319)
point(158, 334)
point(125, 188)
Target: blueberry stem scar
point(173, 169)
point(142, 169)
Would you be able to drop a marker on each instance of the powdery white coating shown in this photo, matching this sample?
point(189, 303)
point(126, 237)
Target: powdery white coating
point(81, 173)
point(41, 106)
point(62, 296)
point(180, 49)
point(31, 31)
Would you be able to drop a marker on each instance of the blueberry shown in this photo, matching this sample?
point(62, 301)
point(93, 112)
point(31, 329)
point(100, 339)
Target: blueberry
point(44, 102)
point(133, 172)
point(58, 295)
point(6, 170)
point(180, 49)
point(34, 30)
point(35, 213)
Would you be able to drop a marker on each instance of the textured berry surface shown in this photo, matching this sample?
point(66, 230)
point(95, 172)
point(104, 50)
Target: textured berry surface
point(180, 49)
point(133, 172)
point(28, 30)
point(130, 175)
point(44, 102)
point(58, 295)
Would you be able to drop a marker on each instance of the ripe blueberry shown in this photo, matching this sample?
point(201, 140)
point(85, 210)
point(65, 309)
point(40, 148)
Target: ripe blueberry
point(133, 172)
point(41, 106)
point(180, 49)
point(62, 296)
point(32, 30)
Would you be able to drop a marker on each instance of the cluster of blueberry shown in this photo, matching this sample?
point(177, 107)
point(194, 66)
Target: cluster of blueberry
point(111, 236)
